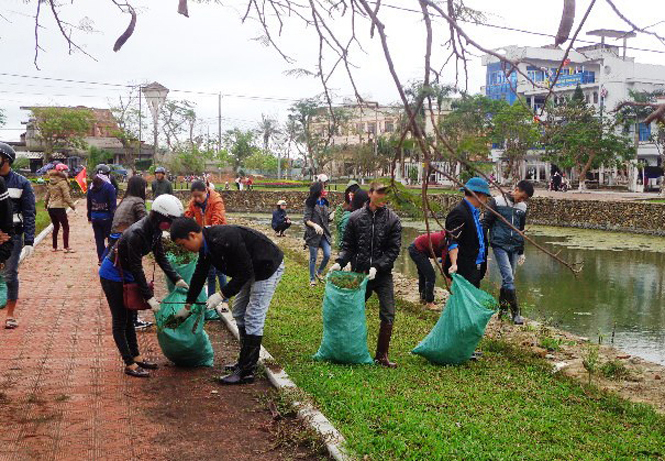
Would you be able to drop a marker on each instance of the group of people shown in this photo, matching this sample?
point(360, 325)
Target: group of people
point(244, 183)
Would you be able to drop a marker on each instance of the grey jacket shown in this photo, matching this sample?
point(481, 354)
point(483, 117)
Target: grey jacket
point(501, 235)
point(130, 210)
point(319, 214)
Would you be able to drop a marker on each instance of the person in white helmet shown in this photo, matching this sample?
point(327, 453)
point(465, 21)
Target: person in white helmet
point(124, 264)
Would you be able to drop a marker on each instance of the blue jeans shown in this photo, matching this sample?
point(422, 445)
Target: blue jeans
point(313, 253)
point(507, 262)
point(214, 273)
point(10, 272)
point(250, 305)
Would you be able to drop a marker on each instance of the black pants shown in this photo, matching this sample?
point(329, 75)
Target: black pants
point(472, 274)
point(58, 217)
point(102, 230)
point(382, 285)
point(124, 333)
point(282, 227)
point(426, 274)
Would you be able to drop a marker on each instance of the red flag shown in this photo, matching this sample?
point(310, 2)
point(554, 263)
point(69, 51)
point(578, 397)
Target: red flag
point(566, 62)
point(81, 180)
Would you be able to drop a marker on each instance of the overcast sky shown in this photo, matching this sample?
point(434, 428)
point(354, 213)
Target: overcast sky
point(212, 51)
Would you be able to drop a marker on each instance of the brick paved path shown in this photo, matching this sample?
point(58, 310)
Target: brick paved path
point(63, 394)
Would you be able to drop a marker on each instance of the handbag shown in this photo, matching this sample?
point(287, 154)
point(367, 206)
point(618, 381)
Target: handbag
point(131, 292)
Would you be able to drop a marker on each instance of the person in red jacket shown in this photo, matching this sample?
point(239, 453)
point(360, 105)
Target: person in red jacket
point(421, 253)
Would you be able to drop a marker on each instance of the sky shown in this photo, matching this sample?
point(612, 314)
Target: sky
point(213, 52)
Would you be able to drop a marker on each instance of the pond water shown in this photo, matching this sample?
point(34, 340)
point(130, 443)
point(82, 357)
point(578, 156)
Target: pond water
point(621, 288)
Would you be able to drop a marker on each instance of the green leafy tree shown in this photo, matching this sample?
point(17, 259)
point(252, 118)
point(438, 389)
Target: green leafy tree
point(97, 156)
point(268, 129)
point(514, 127)
point(577, 137)
point(241, 144)
point(61, 128)
point(261, 161)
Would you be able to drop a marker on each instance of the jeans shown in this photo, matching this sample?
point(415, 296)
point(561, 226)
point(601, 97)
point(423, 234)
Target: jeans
point(10, 272)
point(212, 282)
point(507, 262)
point(250, 305)
point(124, 333)
point(59, 216)
point(382, 285)
point(426, 274)
point(313, 253)
point(102, 230)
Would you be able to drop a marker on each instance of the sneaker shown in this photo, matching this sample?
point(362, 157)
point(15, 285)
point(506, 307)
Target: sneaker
point(140, 324)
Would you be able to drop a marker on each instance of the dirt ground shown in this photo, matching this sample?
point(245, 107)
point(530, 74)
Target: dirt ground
point(635, 379)
point(63, 394)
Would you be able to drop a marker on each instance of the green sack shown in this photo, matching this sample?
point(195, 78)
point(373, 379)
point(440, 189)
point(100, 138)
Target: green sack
point(187, 345)
point(186, 271)
point(3, 293)
point(344, 325)
point(461, 325)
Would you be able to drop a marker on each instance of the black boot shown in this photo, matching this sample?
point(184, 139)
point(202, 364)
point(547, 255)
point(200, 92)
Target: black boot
point(514, 307)
point(503, 303)
point(241, 339)
point(249, 356)
point(383, 344)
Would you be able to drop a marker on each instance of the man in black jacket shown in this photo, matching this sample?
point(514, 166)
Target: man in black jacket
point(371, 244)
point(467, 255)
point(255, 265)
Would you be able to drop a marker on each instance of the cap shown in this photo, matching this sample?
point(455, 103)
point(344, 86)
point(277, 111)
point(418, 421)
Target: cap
point(281, 202)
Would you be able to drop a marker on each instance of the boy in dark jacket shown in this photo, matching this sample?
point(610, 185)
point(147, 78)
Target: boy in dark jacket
point(255, 266)
point(371, 244)
point(101, 208)
point(467, 254)
point(507, 244)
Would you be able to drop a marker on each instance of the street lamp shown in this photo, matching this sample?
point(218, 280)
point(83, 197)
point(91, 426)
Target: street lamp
point(155, 95)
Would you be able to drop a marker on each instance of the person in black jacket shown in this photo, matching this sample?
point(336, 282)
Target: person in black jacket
point(467, 254)
point(280, 220)
point(255, 265)
point(124, 264)
point(372, 241)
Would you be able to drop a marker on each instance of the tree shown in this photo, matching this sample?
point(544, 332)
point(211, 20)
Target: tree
point(514, 127)
point(268, 128)
point(241, 145)
point(130, 123)
point(61, 128)
point(577, 137)
point(261, 161)
point(178, 122)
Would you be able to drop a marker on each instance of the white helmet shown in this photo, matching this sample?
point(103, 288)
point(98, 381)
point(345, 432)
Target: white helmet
point(322, 177)
point(168, 206)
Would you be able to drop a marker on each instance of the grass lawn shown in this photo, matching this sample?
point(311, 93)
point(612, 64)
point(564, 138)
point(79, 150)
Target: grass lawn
point(42, 219)
point(507, 406)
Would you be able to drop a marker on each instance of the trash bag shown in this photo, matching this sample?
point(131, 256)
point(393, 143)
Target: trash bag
point(344, 325)
point(188, 344)
point(461, 325)
point(186, 271)
point(3, 293)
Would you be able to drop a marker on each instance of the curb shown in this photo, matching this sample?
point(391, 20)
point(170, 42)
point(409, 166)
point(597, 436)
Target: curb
point(307, 413)
point(42, 235)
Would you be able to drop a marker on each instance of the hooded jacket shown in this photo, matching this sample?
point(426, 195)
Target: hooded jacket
point(371, 239)
point(23, 206)
point(101, 202)
point(209, 213)
point(318, 214)
point(57, 191)
point(501, 235)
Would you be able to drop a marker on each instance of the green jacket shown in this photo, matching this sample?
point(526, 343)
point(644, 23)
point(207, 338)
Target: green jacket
point(341, 225)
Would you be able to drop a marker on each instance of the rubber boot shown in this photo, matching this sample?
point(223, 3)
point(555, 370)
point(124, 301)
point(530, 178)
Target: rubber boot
point(249, 356)
point(383, 344)
point(241, 339)
point(514, 307)
point(503, 303)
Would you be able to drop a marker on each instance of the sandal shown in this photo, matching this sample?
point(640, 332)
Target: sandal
point(69, 250)
point(11, 324)
point(137, 372)
point(55, 249)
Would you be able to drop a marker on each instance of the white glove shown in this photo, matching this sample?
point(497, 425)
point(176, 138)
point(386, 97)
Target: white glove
point(331, 216)
point(347, 268)
point(182, 284)
point(521, 260)
point(154, 305)
point(318, 229)
point(183, 313)
point(372, 273)
point(335, 267)
point(27, 251)
point(166, 235)
point(221, 308)
point(453, 269)
point(214, 301)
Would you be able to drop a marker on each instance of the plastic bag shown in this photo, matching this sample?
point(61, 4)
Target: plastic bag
point(187, 345)
point(344, 324)
point(461, 325)
point(186, 271)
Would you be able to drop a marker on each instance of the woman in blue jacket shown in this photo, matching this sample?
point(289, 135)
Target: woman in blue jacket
point(101, 207)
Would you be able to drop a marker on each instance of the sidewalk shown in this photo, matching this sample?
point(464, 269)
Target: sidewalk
point(63, 394)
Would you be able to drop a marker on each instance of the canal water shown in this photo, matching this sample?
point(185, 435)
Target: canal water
point(621, 288)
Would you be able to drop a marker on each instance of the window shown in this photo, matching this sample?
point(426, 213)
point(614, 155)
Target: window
point(645, 132)
point(389, 127)
point(371, 128)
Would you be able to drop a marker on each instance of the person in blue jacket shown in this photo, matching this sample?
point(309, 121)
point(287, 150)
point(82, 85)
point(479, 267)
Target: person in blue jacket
point(101, 207)
point(23, 232)
point(280, 221)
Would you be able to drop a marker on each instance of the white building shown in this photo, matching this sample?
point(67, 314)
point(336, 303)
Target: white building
point(604, 72)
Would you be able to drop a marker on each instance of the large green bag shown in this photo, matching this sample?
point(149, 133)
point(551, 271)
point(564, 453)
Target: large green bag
point(461, 325)
point(344, 324)
point(187, 345)
point(186, 271)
